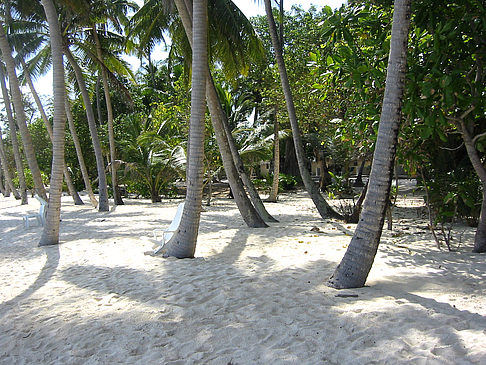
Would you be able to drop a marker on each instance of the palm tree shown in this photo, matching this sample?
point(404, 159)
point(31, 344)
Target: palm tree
point(103, 205)
point(50, 234)
point(20, 113)
point(13, 135)
point(183, 243)
point(356, 263)
point(67, 177)
point(154, 152)
point(79, 153)
point(229, 36)
point(325, 210)
point(8, 180)
point(276, 161)
point(219, 120)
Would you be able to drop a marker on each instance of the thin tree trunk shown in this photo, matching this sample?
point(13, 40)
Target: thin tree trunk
point(2, 187)
point(103, 205)
point(67, 176)
point(276, 162)
point(356, 264)
point(325, 210)
point(183, 243)
point(117, 200)
point(50, 234)
point(8, 179)
point(79, 153)
point(480, 236)
point(20, 114)
point(15, 143)
point(250, 215)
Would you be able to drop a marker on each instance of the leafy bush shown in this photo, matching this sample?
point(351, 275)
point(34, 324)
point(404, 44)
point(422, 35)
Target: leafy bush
point(455, 194)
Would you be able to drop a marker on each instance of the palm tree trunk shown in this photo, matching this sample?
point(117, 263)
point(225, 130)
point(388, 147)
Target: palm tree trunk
point(100, 165)
point(67, 177)
point(20, 114)
point(276, 162)
point(117, 200)
point(183, 243)
point(325, 210)
point(50, 234)
point(250, 215)
point(79, 153)
point(356, 264)
point(8, 179)
point(15, 143)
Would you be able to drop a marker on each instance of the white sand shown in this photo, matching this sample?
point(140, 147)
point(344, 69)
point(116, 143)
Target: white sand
point(252, 296)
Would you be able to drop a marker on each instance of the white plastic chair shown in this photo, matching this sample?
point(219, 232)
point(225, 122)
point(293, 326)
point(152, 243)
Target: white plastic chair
point(164, 235)
point(40, 217)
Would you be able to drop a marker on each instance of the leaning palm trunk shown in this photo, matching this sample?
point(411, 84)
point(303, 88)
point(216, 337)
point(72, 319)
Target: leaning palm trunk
point(276, 162)
point(252, 191)
point(117, 200)
point(67, 177)
point(183, 243)
point(247, 210)
point(79, 153)
point(103, 191)
point(8, 179)
point(15, 144)
point(325, 210)
point(20, 114)
point(50, 234)
point(358, 259)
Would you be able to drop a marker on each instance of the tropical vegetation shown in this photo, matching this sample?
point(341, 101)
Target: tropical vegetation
point(317, 95)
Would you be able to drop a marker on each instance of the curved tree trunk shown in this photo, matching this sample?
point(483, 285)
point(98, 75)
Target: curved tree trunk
point(67, 177)
point(117, 200)
point(79, 153)
point(183, 243)
point(480, 236)
point(276, 162)
point(8, 179)
point(358, 259)
point(50, 234)
point(20, 114)
point(15, 144)
point(325, 210)
point(103, 205)
point(250, 215)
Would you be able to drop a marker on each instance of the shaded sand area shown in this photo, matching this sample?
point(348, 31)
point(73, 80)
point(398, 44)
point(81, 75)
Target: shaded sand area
point(251, 296)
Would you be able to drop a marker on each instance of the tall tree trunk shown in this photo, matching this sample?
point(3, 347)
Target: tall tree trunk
point(103, 205)
point(183, 243)
point(20, 114)
point(276, 161)
point(480, 236)
point(250, 215)
point(356, 264)
point(325, 210)
point(50, 234)
point(8, 179)
point(79, 153)
point(67, 176)
point(15, 143)
point(2, 187)
point(117, 200)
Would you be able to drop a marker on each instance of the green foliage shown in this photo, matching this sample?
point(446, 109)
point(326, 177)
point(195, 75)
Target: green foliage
point(339, 187)
point(455, 194)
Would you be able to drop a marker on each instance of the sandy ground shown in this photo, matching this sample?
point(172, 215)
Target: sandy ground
point(251, 296)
